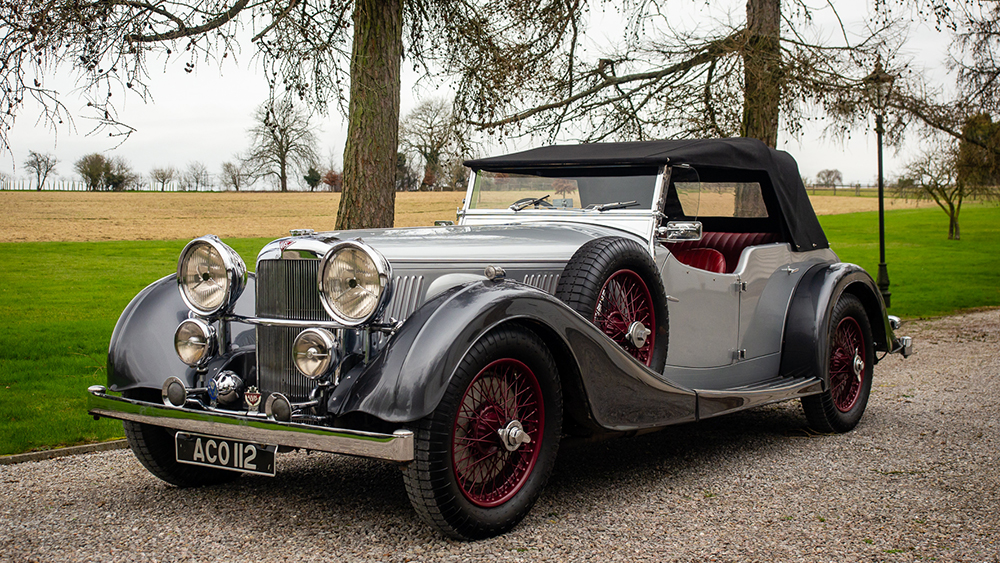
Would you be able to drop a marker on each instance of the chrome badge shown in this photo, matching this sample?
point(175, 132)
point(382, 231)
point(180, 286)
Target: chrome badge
point(213, 393)
point(252, 397)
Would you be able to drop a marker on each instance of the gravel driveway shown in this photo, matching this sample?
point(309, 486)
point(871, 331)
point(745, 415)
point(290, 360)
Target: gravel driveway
point(919, 479)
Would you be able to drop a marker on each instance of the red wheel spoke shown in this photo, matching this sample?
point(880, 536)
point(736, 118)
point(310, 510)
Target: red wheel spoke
point(504, 391)
point(624, 300)
point(845, 383)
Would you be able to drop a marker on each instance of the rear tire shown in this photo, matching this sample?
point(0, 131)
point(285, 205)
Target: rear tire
point(465, 480)
point(851, 354)
point(154, 447)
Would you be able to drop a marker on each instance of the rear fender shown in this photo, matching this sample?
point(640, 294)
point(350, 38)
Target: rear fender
point(408, 379)
point(804, 348)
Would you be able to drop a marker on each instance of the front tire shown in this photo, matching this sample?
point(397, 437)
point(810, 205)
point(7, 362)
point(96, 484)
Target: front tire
point(851, 355)
point(485, 453)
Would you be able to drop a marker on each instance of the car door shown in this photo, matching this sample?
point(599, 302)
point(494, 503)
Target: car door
point(704, 309)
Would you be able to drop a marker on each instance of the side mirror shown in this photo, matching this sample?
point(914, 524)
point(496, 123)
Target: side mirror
point(680, 231)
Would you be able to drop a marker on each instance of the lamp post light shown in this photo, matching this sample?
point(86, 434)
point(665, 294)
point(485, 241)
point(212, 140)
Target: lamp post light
point(880, 82)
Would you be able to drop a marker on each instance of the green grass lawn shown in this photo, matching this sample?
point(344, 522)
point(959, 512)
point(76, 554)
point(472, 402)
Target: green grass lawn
point(59, 303)
point(929, 275)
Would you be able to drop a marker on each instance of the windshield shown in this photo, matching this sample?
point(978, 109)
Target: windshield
point(565, 188)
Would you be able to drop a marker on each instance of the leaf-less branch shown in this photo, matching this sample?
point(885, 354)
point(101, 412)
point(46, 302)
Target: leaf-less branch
point(182, 30)
point(709, 52)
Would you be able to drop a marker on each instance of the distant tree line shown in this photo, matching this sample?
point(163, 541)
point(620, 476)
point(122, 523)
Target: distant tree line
point(283, 146)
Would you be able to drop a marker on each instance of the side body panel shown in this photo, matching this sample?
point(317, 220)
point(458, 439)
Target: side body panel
point(704, 309)
point(408, 379)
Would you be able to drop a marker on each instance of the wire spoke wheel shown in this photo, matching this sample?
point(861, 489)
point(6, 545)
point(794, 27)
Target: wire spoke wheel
point(614, 283)
point(847, 361)
point(851, 351)
point(483, 456)
point(625, 300)
point(487, 471)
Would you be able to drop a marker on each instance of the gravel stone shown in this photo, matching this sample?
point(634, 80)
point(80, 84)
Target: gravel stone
point(917, 480)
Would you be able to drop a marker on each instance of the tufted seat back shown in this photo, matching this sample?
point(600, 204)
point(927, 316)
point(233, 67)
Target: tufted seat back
point(730, 245)
point(703, 258)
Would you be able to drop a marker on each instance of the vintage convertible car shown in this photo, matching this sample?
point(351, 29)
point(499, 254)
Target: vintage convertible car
point(590, 289)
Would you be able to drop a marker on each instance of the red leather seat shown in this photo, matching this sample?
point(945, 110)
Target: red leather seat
point(703, 259)
point(731, 245)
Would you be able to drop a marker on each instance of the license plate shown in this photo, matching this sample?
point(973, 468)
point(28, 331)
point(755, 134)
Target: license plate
point(224, 453)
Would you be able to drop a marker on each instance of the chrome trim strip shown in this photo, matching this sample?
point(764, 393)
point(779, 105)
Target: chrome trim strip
point(291, 323)
point(397, 446)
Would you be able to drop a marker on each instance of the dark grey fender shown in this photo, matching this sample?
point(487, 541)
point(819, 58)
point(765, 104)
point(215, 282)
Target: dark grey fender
point(407, 380)
point(141, 353)
point(804, 348)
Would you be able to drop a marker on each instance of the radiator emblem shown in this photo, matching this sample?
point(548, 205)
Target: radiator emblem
point(252, 397)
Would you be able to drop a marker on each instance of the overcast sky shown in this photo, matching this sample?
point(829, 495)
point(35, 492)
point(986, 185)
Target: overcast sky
point(204, 116)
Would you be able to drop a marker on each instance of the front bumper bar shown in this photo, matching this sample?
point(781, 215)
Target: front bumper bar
point(397, 446)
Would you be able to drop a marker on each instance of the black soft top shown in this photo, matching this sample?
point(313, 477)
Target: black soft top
point(716, 158)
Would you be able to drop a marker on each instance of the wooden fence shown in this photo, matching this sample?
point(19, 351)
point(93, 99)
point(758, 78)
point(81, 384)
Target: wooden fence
point(19, 184)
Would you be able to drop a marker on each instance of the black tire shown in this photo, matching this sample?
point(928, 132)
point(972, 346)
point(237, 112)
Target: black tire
point(489, 495)
point(839, 408)
point(588, 276)
point(154, 447)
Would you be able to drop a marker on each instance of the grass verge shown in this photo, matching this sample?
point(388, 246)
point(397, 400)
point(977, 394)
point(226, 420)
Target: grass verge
point(929, 275)
point(60, 302)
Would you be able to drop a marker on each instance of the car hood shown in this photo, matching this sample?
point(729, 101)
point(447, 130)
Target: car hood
point(430, 245)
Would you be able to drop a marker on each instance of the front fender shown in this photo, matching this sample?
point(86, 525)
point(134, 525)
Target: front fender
point(804, 350)
point(408, 379)
point(141, 352)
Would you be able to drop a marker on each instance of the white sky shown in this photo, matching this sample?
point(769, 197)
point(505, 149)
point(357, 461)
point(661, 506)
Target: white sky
point(203, 116)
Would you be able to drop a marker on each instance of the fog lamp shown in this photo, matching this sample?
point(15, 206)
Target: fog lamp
point(193, 341)
point(314, 351)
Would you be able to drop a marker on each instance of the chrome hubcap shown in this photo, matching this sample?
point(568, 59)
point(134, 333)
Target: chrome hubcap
point(637, 334)
point(859, 366)
point(513, 436)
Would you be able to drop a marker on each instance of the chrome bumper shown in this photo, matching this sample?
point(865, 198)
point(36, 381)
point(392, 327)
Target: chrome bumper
point(397, 446)
point(903, 346)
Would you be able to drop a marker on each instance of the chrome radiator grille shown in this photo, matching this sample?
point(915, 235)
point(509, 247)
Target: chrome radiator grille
point(286, 289)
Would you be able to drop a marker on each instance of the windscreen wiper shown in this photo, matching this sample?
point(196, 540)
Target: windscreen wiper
point(517, 206)
point(614, 205)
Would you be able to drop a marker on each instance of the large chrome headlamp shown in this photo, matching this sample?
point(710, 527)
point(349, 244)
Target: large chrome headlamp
point(211, 275)
point(355, 282)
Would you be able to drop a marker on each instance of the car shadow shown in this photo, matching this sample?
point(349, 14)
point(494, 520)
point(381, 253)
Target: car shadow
point(331, 498)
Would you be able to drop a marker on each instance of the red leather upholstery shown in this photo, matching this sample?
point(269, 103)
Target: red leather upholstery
point(703, 259)
point(731, 245)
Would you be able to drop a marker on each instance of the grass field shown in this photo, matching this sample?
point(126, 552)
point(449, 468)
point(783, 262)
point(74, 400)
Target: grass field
point(60, 301)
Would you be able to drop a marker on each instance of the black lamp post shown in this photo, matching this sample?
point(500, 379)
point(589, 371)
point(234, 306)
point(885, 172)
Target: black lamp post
point(880, 83)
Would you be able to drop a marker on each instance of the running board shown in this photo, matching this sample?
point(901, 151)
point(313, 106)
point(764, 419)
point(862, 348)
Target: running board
point(712, 402)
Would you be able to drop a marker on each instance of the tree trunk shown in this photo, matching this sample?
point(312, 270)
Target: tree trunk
point(761, 68)
point(283, 175)
point(369, 196)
